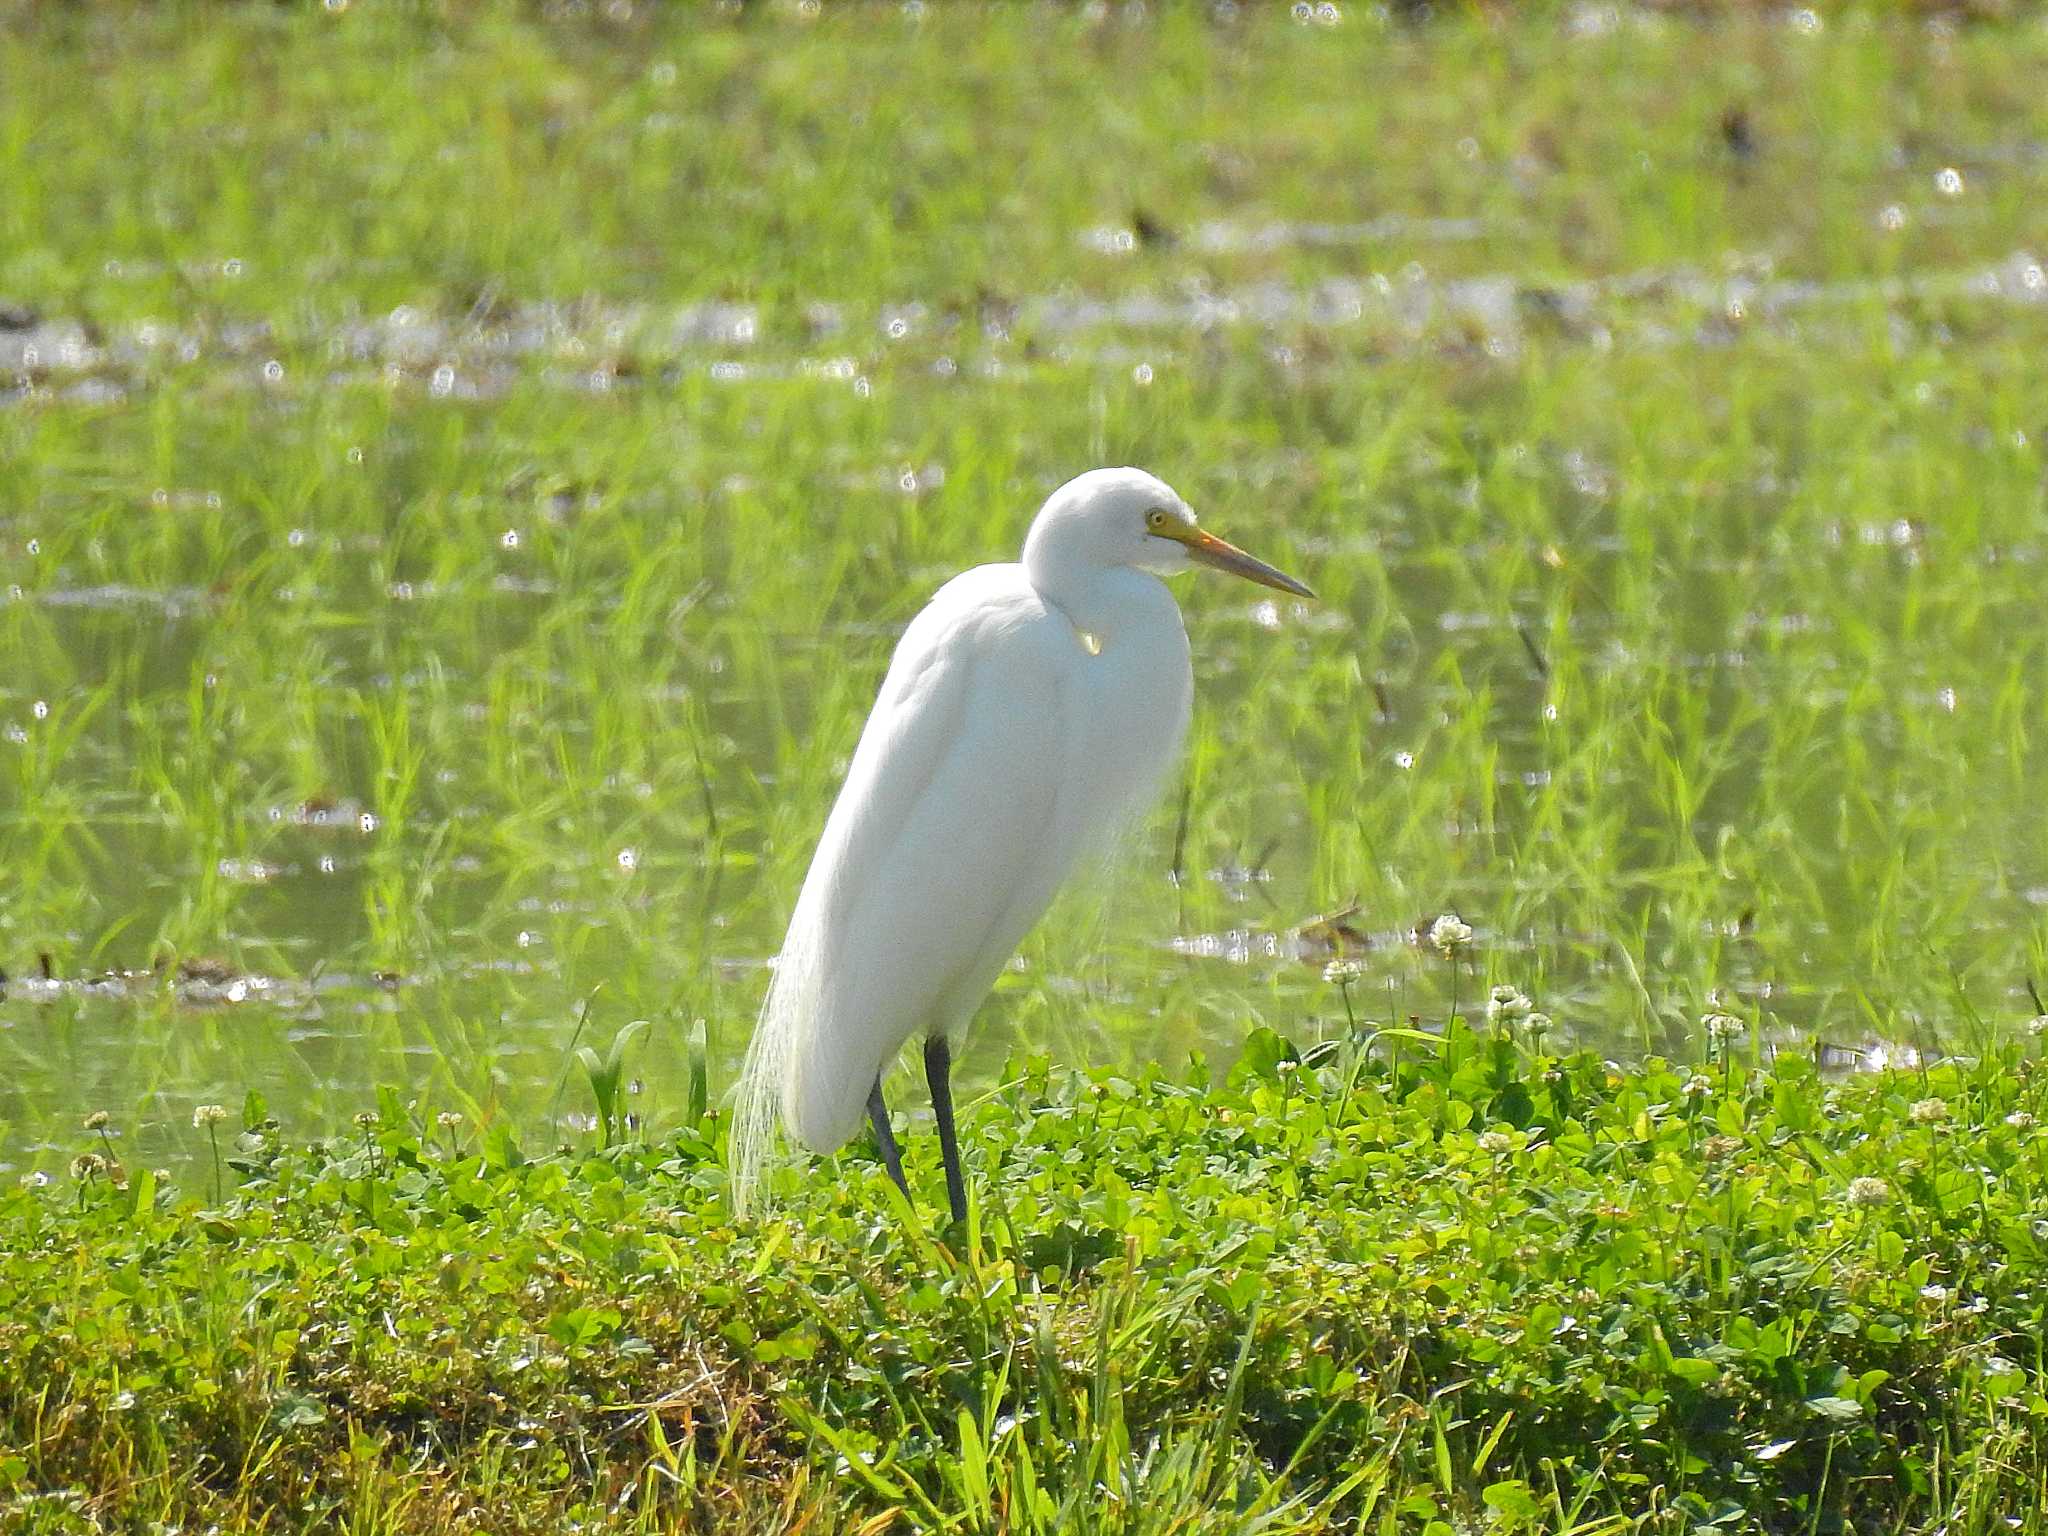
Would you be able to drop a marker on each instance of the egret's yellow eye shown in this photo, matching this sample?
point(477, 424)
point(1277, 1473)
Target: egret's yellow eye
point(1156, 519)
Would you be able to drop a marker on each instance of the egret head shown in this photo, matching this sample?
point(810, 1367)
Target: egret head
point(1112, 517)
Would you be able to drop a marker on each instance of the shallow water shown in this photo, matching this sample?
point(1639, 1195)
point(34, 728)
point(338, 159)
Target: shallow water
point(392, 685)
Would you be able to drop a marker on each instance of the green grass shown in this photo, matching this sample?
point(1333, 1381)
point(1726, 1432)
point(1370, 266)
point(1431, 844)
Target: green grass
point(462, 469)
point(1678, 523)
point(1401, 1283)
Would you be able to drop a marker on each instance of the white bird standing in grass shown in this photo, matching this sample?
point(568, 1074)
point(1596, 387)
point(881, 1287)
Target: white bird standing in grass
point(1028, 710)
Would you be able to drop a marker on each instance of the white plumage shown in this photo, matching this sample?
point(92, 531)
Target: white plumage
point(1028, 709)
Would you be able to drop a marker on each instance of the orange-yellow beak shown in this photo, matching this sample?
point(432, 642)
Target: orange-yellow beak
point(1209, 550)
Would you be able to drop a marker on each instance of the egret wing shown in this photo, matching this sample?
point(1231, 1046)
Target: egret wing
point(946, 827)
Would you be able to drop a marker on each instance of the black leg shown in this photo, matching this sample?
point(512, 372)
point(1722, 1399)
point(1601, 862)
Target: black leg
point(938, 1071)
point(885, 1138)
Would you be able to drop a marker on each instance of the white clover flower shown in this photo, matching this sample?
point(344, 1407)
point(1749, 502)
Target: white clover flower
point(1718, 1147)
point(97, 1120)
point(1537, 1025)
point(1868, 1191)
point(1721, 1027)
point(1343, 972)
point(448, 1119)
point(1506, 1005)
point(207, 1114)
point(1698, 1086)
point(86, 1164)
point(1496, 1142)
point(1927, 1112)
point(1449, 934)
point(2020, 1120)
point(2037, 1026)
point(1934, 1295)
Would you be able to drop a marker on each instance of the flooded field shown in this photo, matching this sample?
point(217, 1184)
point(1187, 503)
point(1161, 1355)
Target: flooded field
point(446, 556)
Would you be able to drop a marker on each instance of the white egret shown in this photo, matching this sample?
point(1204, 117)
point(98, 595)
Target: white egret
point(1028, 709)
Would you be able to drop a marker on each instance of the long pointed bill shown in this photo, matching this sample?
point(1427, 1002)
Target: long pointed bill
point(1210, 550)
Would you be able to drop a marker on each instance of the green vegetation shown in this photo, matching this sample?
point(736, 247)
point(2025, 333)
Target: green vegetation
point(462, 469)
point(1678, 521)
point(1411, 1284)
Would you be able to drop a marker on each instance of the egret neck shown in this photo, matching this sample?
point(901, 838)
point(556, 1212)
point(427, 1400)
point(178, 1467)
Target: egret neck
point(1100, 601)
